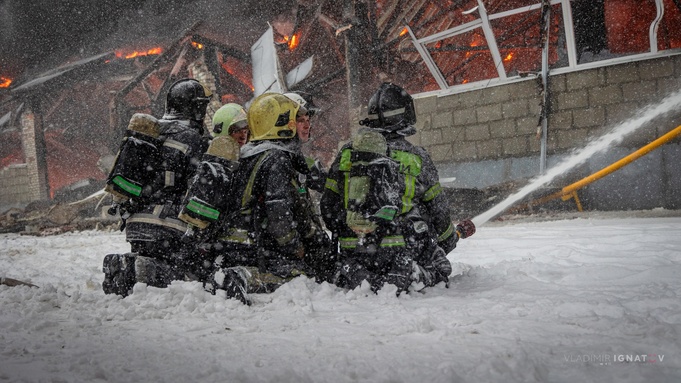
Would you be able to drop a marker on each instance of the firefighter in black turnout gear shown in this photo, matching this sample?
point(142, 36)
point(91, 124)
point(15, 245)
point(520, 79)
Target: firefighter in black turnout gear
point(315, 177)
point(269, 238)
point(385, 206)
point(210, 202)
point(150, 177)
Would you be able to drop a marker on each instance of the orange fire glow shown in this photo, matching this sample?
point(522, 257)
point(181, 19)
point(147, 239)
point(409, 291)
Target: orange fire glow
point(292, 41)
point(197, 45)
point(477, 41)
point(133, 54)
point(404, 32)
point(508, 57)
point(5, 82)
point(232, 67)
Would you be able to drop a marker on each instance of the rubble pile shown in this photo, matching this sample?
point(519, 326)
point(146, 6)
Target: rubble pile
point(55, 217)
point(52, 217)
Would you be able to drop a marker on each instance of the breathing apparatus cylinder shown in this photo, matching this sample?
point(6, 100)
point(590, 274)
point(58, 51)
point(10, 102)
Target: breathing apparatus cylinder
point(138, 160)
point(209, 190)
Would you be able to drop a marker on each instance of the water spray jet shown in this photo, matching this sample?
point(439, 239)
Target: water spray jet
point(614, 136)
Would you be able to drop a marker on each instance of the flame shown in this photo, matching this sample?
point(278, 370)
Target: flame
point(5, 82)
point(477, 41)
point(293, 43)
point(130, 55)
point(404, 31)
point(197, 45)
point(508, 57)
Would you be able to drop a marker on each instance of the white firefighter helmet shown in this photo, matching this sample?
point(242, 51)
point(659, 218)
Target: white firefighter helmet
point(305, 105)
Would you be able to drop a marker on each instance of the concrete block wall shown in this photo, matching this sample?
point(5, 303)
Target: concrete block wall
point(490, 136)
point(15, 185)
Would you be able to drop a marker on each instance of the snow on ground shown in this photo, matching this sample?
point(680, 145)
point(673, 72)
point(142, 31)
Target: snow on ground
point(574, 300)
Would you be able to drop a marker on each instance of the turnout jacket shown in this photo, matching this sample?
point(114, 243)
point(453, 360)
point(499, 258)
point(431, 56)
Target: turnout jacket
point(266, 187)
point(272, 225)
point(156, 217)
point(422, 196)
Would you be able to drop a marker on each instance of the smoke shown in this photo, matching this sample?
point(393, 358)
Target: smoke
point(40, 34)
point(39, 30)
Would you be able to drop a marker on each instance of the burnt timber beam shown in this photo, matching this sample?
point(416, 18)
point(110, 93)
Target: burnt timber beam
point(116, 106)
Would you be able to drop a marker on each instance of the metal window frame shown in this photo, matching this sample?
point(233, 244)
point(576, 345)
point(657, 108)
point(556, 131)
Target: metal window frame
point(571, 47)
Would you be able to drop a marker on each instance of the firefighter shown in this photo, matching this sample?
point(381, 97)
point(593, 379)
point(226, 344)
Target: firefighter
point(263, 244)
point(319, 252)
point(150, 213)
point(316, 176)
point(231, 119)
point(389, 241)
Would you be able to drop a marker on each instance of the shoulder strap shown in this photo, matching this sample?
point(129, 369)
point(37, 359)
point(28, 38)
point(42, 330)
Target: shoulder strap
point(410, 163)
point(248, 192)
point(410, 166)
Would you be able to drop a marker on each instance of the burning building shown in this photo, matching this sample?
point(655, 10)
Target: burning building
point(460, 58)
point(61, 126)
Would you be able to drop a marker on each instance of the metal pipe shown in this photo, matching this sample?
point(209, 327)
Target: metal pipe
point(654, 25)
point(570, 190)
point(546, 10)
point(624, 161)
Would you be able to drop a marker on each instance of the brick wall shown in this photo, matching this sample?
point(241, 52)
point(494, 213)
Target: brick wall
point(23, 183)
point(199, 71)
point(489, 136)
point(35, 154)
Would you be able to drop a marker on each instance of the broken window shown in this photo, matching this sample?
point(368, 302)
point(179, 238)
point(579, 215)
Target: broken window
point(473, 41)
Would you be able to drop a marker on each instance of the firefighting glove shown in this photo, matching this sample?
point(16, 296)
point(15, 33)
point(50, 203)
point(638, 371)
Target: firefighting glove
point(300, 252)
point(189, 235)
point(465, 228)
point(116, 203)
point(113, 210)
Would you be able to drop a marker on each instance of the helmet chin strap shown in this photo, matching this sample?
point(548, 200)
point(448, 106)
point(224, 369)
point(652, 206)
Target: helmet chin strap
point(404, 130)
point(379, 108)
point(401, 129)
point(196, 125)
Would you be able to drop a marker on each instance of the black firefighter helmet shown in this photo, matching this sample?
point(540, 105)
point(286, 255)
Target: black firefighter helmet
point(188, 99)
point(391, 108)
